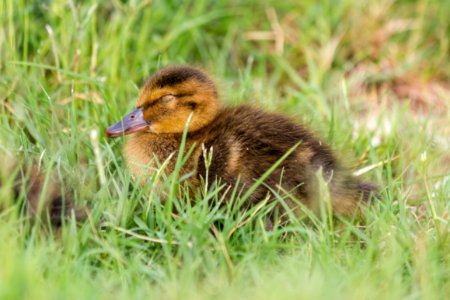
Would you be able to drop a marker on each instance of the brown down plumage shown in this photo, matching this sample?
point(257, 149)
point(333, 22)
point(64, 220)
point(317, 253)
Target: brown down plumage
point(245, 142)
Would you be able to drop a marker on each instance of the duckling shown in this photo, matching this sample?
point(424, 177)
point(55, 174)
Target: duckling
point(245, 142)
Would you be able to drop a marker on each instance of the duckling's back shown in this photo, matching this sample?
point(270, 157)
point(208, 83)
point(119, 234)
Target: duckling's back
point(246, 142)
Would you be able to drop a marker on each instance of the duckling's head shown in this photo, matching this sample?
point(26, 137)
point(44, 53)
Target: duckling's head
point(167, 99)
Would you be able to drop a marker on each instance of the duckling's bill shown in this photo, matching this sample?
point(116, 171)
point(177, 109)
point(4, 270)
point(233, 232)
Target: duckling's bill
point(133, 122)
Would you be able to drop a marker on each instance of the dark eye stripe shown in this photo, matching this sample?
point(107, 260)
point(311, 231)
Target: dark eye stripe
point(148, 105)
point(191, 105)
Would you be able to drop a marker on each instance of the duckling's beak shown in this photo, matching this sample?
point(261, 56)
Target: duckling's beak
point(133, 122)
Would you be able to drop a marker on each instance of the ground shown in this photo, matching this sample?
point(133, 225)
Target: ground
point(371, 77)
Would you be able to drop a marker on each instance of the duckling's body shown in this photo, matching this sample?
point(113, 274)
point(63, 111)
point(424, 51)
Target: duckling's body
point(245, 143)
point(249, 141)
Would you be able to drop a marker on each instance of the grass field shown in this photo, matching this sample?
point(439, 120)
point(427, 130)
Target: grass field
point(371, 77)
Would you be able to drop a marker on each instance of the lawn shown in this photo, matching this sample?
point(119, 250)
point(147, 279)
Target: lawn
point(371, 77)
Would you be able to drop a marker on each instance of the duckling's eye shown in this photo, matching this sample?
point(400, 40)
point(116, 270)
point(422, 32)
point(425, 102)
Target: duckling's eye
point(164, 99)
point(167, 98)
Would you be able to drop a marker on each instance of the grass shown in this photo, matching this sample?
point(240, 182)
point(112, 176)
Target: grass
point(372, 77)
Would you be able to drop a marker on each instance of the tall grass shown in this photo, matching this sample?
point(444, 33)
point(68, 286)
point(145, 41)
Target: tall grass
point(372, 77)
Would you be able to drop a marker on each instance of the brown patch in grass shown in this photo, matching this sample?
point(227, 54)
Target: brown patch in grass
point(385, 81)
point(423, 95)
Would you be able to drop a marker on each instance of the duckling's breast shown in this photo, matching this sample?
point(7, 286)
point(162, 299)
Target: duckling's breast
point(143, 152)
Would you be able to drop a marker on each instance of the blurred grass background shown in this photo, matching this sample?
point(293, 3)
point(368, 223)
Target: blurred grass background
point(372, 77)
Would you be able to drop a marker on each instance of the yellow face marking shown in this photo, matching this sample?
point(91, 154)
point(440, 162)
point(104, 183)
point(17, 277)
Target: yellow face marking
point(171, 116)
